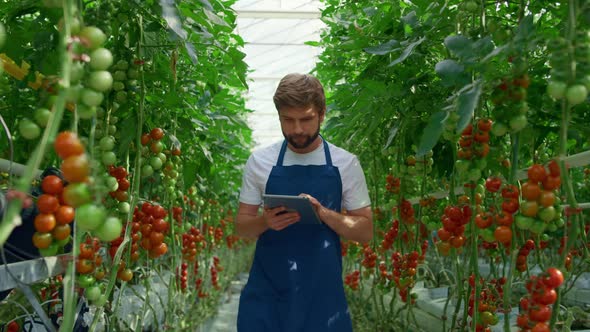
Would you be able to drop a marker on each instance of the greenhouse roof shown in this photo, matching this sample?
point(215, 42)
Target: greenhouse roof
point(275, 32)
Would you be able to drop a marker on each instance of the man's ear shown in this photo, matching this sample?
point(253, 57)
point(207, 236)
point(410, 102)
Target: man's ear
point(322, 116)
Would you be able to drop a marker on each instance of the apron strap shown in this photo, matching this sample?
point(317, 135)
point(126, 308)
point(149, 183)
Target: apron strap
point(284, 149)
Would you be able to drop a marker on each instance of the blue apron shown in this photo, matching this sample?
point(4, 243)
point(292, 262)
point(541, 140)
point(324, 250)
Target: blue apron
point(295, 282)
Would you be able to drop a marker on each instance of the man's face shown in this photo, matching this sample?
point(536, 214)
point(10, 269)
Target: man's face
point(300, 126)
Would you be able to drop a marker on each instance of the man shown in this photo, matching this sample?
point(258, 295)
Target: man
point(295, 282)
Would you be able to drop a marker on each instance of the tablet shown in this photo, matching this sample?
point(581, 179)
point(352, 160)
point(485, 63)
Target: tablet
point(299, 204)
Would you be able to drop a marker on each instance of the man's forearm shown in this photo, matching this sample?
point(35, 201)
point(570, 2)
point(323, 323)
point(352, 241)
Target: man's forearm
point(355, 228)
point(250, 226)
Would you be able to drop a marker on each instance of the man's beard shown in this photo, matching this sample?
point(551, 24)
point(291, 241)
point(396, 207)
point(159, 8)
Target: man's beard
point(306, 143)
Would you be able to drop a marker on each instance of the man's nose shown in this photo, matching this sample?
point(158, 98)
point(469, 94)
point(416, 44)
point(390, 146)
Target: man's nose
point(298, 128)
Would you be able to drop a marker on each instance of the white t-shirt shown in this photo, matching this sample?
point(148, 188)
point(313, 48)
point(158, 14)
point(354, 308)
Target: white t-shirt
point(354, 187)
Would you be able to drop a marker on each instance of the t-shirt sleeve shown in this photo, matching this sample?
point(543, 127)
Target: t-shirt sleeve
point(355, 194)
point(251, 192)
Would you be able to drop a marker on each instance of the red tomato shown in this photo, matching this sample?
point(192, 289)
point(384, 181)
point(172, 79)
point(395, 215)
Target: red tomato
point(530, 191)
point(540, 313)
point(537, 173)
point(47, 203)
point(44, 223)
point(493, 184)
point(503, 234)
point(64, 215)
point(510, 191)
point(554, 278)
point(554, 169)
point(52, 185)
point(156, 133)
point(540, 327)
point(551, 182)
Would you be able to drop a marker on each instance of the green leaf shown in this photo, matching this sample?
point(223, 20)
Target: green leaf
point(432, 132)
point(206, 152)
point(451, 72)
point(407, 52)
point(411, 19)
point(189, 172)
point(466, 103)
point(459, 46)
point(483, 46)
point(214, 18)
point(388, 47)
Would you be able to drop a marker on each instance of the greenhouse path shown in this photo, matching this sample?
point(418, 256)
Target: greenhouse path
point(227, 316)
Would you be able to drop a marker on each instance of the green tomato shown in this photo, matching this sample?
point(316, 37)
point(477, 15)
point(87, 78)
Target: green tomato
point(119, 76)
point(517, 123)
point(481, 164)
point(92, 293)
point(109, 230)
point(100, 59)
point(28, 129)
point(91, 97)
point(109, 158)
point(89, 216)
point(93, 36)
point(462, 165)
point(523, 222)
point(118, 86)
point(556, 89)
point(146, 170)
point(112, 129)
point(111, 183)
point(50, 251)
point(101, 81)
point(547, 214)
point(576, 94)
point(73, 93)
point(133, 74)
point(77, 194)
point(551, 227)
point(42, 116)
point(85, 280)
point(77, 72)
point(470, 6)
point(156, 163)
point(107, 143)
point(559, 222)
point(122, 65)
point(121, 97)
point(64, 242)
point(538, 227)
point(124, 207)
point(474, 174)
point(86, 112)
point(162, 157)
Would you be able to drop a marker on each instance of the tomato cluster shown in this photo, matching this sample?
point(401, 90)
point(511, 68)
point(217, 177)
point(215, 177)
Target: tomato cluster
point(392, 184)
point(191, 240)
point(352, 279)
point(404, 273)
point(214, 269)
point(451, 234)
point(390, 236)
point(560, 85)
point(473, 149)
point(152, 144)
point(370, 257)
point(535, 310)
point(89, 267)
point(511, 108)
point(523, 253)
point(182, 276)
point(123, 184)
point(540, 208)
point(52, 224)
point(490, 297)
point(153, 228)
point(419, 165)
point(133, 250)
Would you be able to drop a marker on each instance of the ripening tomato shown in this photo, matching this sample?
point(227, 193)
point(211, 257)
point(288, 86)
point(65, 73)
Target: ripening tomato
point(554, 169)
point(159, 250)
point(67, 144)
point(547, 198)
point(52, 185)
point(540, 327)
point(484, 124)
point(457, 241)
point(156, 238)
point(530, 191)
point(145, 139)
point(125, 275)
point(64, 215)
point(551, 182)
point(443, 234)
point(76, 168)
point(42, 240)
point(61, 232)
point(443, 247)
point(503, 234)
point(156, 134)
point(529, 208)
point(47, 203)
point(84, 266)
point(44, 222)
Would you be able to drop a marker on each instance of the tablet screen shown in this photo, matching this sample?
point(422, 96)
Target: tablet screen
point(294, 203)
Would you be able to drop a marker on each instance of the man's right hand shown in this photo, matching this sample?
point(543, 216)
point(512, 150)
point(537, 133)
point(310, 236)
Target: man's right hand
point(278, 219)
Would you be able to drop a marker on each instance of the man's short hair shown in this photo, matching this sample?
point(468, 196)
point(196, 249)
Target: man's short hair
point(300, 90)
